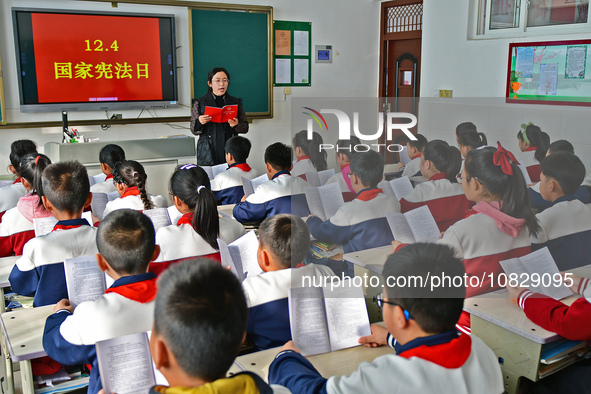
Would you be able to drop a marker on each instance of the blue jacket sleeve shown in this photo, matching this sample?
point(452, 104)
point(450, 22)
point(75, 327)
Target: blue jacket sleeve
point(294, 371)
point(326, 231)
point(59, 349)
point(247, 212)
point(24, 282)
point(230, 195)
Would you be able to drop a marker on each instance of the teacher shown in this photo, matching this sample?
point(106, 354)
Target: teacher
point(213, 136)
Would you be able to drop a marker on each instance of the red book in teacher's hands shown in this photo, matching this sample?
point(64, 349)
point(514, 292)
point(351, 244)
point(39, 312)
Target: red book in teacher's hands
point(222, 115)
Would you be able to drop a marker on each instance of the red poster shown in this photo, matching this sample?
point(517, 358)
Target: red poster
point(96, 58)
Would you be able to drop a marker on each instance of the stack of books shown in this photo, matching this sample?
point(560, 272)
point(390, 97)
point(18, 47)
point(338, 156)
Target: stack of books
point(325, 250)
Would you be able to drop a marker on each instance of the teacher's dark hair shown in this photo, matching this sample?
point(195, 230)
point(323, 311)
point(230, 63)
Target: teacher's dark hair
point(213, 72)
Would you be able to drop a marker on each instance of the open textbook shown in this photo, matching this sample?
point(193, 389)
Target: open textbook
point(241, 256)
point(94, 179)
point(160, 217)
point(99, 202)
point(325, 319)
point(84, 279)
point(126, 366)
point(212, 171)
point(319, 178)
point(250, 185)
point(324, 201)
point(538, 270)
point(399, 187)
point(414, 226)
point(44, 226)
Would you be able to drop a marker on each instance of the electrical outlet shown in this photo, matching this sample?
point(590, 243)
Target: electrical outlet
point(286, 91)
point(445, 93)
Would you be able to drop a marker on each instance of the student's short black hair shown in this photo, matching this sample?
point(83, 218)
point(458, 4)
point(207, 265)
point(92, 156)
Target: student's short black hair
point(567, 169)
point(111, 154)
point(419, 143)
point(347, 147)
point(31, 169)
point(465, 126)
point(201, 313)
point(126, 239)
point(369, 167)
point(287, 237)
point(435, 310)
point(561, 146)
point(278, 155)
point(66, 185)
point(239, 148)
point(18, 149)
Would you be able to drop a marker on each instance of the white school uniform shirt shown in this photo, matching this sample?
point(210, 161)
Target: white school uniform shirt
point(104, 187)
point(301, 166)
point(412, 167)
point(134, 202)
point(232, 177)
point(182, 241)
point(9, 195)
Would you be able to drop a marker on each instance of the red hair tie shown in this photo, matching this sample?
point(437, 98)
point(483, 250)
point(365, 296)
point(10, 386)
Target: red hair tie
point(37, 160)
point(503, 158)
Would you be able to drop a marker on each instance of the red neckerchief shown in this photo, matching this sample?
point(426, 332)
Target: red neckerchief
point(243, 166)
point(438, 176)
point(531, 148)
point(110, 176)
point(470, 212)
point(187, 218)
point(368, 194)
point(143, 291)
point(450, 355)
point(302, 158)
point(345, 165)
point(17, 180)
point(418, 155)
point(131, 191)
point(73, 223)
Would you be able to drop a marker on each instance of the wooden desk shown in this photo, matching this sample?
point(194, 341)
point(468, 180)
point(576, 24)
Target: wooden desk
point(6, 264)
point(341, 362)
point(514, 339)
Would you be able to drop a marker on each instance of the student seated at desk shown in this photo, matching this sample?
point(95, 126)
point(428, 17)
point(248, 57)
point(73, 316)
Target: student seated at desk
point(430, 355)
point(414, 149)
point(109, 155)
point(282, 193)
point(227, 185)
point(309, 156)
point(284, 241)
point(40, 270)
point(533, 143)
point(440, 163)
point(360, 224)
point(345, 150)
point(196, 232)
point(468, 139)
point(126, 245)
point(566, 224)
point(17, 228)
point(9, 195)
point(130, 180)
point(199, 324)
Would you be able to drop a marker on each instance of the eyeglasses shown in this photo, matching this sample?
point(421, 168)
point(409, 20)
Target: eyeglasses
point(350, 174)
point(468, 178)
point(380, 302)
point(218, 81)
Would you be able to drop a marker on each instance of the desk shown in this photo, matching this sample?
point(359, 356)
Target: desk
point(6, 264)
point(505, 328)
point(341, 362)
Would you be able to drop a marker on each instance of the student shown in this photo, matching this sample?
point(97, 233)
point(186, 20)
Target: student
point(9, 195)
point(533, 143)
point(130, 180)
point(227, 185)
point(566, 224)
point(126, 245)
point(40, 270)
point(414, 149)
point(284, 241)
point(199, 323)
point(440, 163)
point(360, 224)
point(430, 354)
point(196, 232)
point(345, 150)
point(17, 228)
point(310, 158)
point(109, 155)
point(281, 194)
point(470, 139)
point(465, 127)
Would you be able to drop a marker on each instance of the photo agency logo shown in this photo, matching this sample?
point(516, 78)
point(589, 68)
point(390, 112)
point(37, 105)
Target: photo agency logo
point(391, 121)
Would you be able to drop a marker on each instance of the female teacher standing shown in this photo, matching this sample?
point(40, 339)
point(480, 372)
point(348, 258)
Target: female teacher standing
point(213, 136)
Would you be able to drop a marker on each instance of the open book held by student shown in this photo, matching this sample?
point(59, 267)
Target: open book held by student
point(241, 256)
point(250, 185)
point(417, 225)
point(325, 319)
point(45, 225)
point(212, 171)
point(222, 115)
point(160, 217)
point(84, 279)
point(399, 187)
point(324, 201)
point(319, 178)
point(99, 202)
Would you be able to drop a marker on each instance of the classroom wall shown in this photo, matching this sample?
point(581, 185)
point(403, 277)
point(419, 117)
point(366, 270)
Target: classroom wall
point(476, 71)
point(348, 25)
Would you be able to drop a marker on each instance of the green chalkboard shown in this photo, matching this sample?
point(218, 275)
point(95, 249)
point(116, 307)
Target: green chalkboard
point(239, 41)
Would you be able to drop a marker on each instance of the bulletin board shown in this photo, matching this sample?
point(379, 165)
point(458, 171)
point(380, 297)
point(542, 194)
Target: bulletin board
point(551, 72)
point(2, 107)
point(237, 38)
point(292, 53)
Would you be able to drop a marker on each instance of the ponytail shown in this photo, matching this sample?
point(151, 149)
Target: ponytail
point(311, 148)
point(510, 189)
point(132, 173)
point(31, 168)
point(445, 158)
point(472, 139)
point(191, 185)
point(18, 150)
point(534, 136)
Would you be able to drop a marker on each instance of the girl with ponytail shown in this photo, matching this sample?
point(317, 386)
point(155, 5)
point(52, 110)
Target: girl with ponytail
point(440, 163)
point(534, 144)
point(130, 178)
point(10, 194)
point(196, 232)
point(17, 226)
point(470, 139)
point(308, 154)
